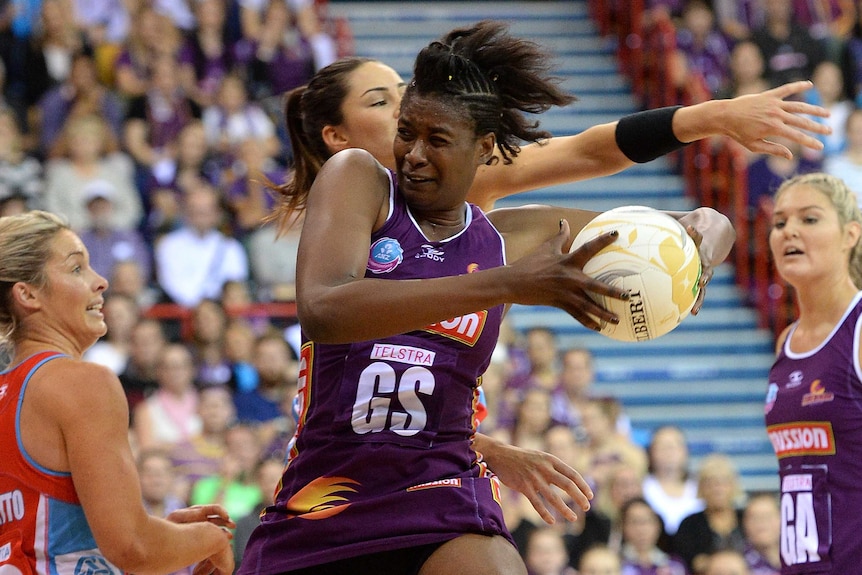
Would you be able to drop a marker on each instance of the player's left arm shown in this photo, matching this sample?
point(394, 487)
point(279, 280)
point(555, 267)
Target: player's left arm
point(752, 120)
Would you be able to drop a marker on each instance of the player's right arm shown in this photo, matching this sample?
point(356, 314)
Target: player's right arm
point(337, 304)
point(85, 404)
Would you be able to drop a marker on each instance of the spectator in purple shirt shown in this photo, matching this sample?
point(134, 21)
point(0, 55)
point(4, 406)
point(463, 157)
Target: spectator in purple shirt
point(80, 94)
point(279, 59)
point(642, 531)
point(704, 46)
point(151, 35)
point(155, 120)
point(207, 55)
point(106, 243)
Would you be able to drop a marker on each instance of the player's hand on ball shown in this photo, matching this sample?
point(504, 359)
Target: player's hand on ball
point(707, 271)
point(586, 309)
point(550, 276)
point(655, 260)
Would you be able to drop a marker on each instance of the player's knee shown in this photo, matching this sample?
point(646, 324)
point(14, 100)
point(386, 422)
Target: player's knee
point(475, 554)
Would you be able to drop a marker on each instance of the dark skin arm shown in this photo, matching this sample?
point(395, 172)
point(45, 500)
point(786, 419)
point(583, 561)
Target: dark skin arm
point(337, 304)
point(535, 475)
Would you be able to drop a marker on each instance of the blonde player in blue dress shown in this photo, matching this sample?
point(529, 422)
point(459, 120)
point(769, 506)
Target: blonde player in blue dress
point(70, 496)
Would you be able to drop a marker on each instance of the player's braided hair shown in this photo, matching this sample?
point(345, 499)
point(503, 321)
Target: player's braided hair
point(498, 77)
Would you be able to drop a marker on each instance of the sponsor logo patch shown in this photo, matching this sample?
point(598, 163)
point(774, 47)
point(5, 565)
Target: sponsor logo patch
point(794, 380)
point(799, 482)
point(93, 565)
point(637, 317)
point(429, 252)
point(817, 394)
point(403, 354)
point(802, 438)
point(384, 256)
point(455, 482)
point(466, 328)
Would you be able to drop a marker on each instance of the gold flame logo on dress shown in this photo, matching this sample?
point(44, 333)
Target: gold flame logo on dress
point(322, 498)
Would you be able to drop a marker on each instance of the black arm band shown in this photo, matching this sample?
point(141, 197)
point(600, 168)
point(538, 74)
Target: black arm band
point(645, 136)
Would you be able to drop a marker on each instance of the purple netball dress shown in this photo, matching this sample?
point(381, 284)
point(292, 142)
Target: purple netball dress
point(382, 457)
point(814, 421)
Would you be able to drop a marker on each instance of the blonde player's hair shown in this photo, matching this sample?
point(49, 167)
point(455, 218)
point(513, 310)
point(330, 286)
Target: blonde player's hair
point(25, 242)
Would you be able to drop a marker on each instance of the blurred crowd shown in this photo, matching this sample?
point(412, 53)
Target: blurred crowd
point(155, 127)
point(655, 511)
point(734, 47)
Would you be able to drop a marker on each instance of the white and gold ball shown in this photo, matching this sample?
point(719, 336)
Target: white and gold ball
point(655, 259)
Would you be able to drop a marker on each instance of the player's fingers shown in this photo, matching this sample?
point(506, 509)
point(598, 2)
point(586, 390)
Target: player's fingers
point(220, 521)
point(219, 515)
point(563, 236)
point(205, 567)
point(575, 493)
point(591, 314)
point(575, 485)
point(705, 277)
point(552, 496)
point(601, 288)
point(770, 148)
point(694, 235)
point(539, 505)
point(583, 253)
point(790, 88)
point(793, 119)
point(584, 319)
point(698, 303)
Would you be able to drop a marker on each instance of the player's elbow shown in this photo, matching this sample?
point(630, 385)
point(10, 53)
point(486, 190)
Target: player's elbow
point(319, 322)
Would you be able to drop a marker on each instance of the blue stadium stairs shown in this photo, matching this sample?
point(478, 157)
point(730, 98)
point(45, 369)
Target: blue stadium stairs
point(709, 375)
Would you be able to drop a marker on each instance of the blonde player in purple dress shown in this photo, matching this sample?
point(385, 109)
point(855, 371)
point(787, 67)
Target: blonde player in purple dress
point(401, 287)
point(814, 399)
